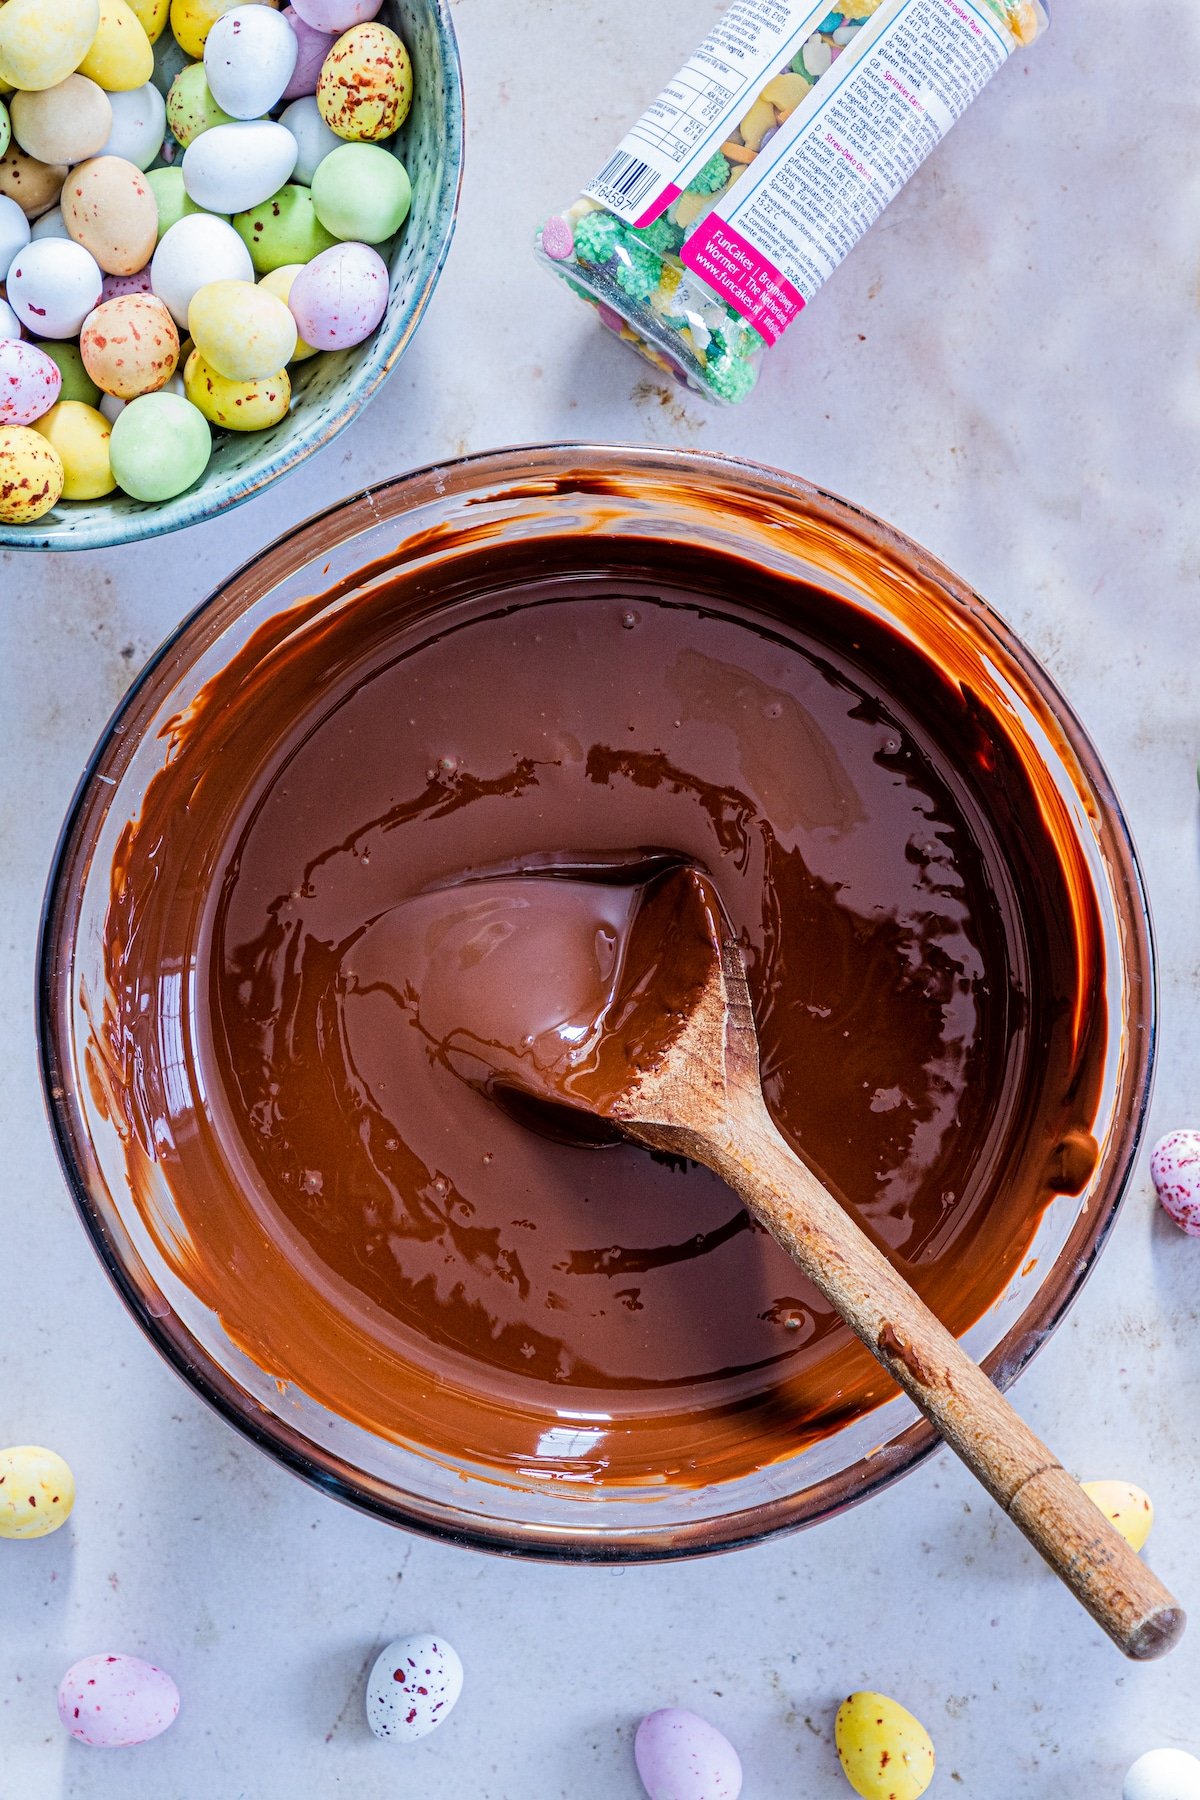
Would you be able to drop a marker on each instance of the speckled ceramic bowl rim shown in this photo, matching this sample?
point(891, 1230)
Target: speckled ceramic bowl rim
point(204, 502)
point(860, 1479)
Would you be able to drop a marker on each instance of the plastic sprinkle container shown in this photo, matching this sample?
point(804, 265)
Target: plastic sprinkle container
point(755, 172)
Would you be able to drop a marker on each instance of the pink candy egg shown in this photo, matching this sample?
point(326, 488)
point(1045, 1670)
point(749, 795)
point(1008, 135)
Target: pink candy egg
point(1175, 1170)
point(340, 296)
point(680, 1756)
point(117, 286)
point(29, 382)
point(314, 47)
point(110, 1702)
point(336, 16)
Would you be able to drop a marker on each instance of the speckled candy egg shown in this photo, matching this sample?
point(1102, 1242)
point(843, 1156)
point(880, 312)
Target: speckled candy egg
point(30, 382)
point(279, 282)
point(63, 124)
point(1175, 1170)
point(337, 15)
point(139, 125)
point(35, 186)
point(152, 16)
point(109, 208)
point(885, 1753)
point(53, 286)
point(1126, 1507)
point(80, 434)
point(248, 59)
point(191, 109)
point(130, 346)
point(5, 128)
point(312, 47)
point(362, 191)
point(284, 229)
point(112, 1702)
point(412, 1688)
point(339, 298)
point(14, 233)
point(236, 405)
point(192, 20)
point(234, 167)
point(37, 1488)
point(197, 250)
point(1163, 1775)
point(314, 140)
point(121, 56)
point(680, 1756)
point(31, 475)
point(244, 332)
point(365, 87)
point(160, 445)
point(44, 41)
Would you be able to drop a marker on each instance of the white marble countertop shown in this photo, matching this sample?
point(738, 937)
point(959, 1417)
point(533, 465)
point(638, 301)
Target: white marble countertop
point(1007, 368)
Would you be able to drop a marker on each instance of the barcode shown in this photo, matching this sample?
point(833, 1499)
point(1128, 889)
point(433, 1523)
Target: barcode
point(624, 180)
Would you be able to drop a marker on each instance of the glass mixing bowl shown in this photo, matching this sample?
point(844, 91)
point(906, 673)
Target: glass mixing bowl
point(591, 492)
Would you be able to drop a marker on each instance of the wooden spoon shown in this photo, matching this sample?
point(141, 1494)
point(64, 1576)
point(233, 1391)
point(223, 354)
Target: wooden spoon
point(678, 1070)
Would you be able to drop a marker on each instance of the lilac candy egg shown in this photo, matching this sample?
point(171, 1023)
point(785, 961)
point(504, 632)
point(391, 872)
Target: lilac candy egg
point(680, 1756)
point(313, 47)
point(1175, 1170)
point(339, 297)
point(336, 16)
point(116, 286)
point(110, 1702)
point(30, 382)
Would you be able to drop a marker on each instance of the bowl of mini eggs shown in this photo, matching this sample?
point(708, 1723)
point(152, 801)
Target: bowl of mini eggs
point(220, 223)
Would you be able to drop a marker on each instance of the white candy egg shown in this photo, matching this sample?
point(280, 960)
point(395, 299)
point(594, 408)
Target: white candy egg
point(14, 232)
point(234, 167)
point(139, 125)
point(50, 225)
point(1163, 1775)
point(10, 325)
point(248, 60)
point(53, 285)
point(196, 250)
point(413, 1686)
point(680, 1756)
point(314, 140)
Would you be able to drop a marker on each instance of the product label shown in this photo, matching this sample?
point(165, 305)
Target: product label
point(675, 137)
point(777, 234)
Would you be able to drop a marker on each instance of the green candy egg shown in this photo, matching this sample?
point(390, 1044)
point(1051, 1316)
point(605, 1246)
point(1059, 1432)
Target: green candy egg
point(5, 129)
point(171, 198)
point(160, 445)
point(361, 193)
point(77, 384)
point(284, 229)
point(191, 108)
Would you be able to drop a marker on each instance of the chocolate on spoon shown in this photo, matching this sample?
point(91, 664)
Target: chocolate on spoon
point(660, 1044)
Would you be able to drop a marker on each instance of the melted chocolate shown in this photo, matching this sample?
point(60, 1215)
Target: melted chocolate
point(279, 1048)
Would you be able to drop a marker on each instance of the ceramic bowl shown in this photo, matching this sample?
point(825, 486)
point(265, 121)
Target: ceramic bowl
point(328, 390)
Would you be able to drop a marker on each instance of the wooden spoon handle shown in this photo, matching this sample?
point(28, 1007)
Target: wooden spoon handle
point(1068, 1529)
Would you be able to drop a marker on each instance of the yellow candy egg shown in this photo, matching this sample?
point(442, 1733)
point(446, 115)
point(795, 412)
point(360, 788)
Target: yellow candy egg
point(152, 16)
point(108, 206)
point(130, 346)
point(35, 186)
point(31, 482)
point(1127, 1507)
point(236, 405)
point(242, 330)
point(37, 1489)
point(80, 434)
point(365, 86)
point(885, 1753)
point(121, 57)
point(192, 20)
point(44, 41)
point(279, 282)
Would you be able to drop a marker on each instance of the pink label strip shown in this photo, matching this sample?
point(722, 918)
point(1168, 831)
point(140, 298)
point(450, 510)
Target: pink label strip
point(723, 258)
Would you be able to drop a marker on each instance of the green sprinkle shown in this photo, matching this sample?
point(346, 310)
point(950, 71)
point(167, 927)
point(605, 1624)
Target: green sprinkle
point(731, 379)
point(597, 236)
point(638, 270)
point(662, 236)
point(712, 176)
